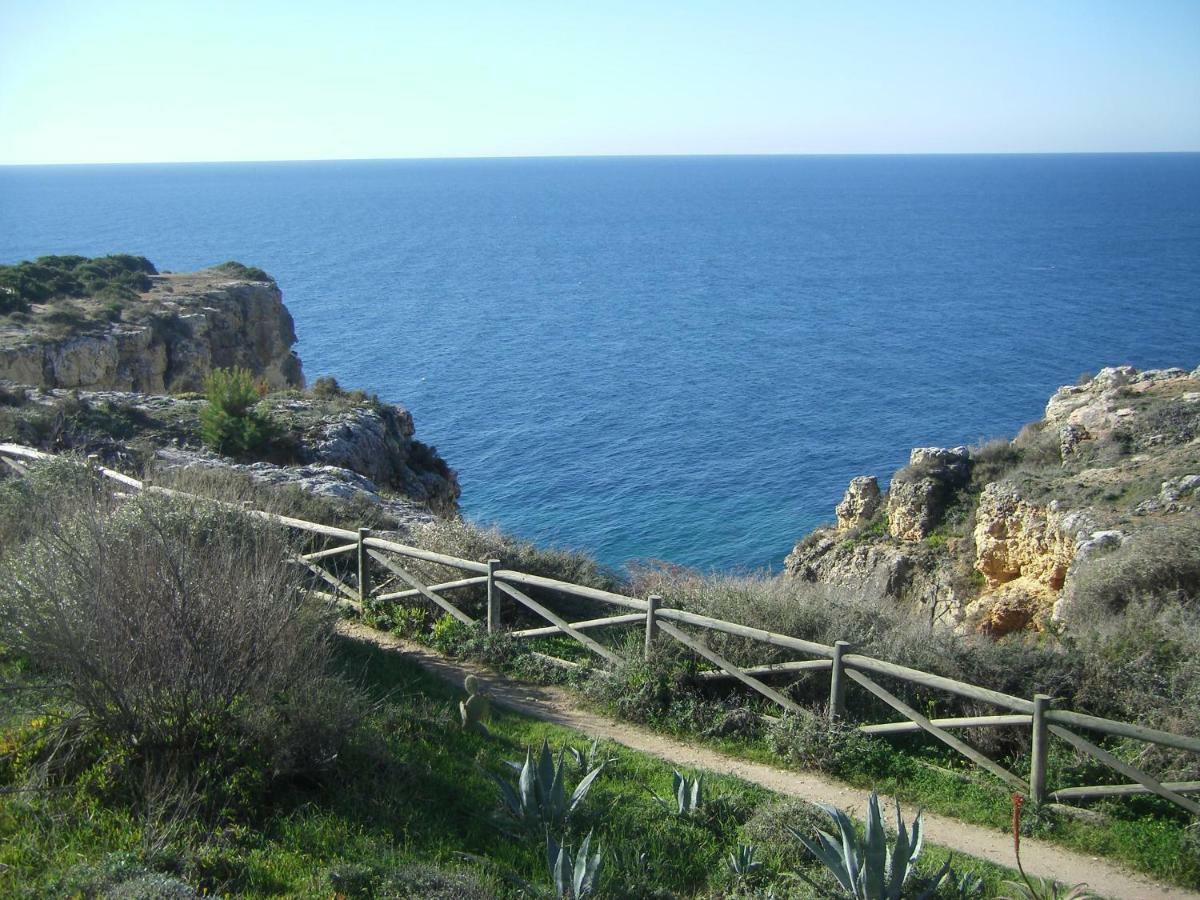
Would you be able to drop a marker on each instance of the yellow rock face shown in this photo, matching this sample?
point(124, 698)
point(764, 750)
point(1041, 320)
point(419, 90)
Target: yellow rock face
point(1017, 539)
point(1018, 604)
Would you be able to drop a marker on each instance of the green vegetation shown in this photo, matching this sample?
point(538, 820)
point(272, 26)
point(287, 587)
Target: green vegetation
point(868, 868)
point(230, 424)
point(238, 747)
point(1138, 665)
point(238, 270)
point(117, 277)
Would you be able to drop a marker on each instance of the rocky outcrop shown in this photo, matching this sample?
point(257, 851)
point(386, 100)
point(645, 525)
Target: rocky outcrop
point(374, 440)
point(341, 448)
point(860, 503)
point(167, 341)
point(1017, 539)
point(909, 573)
point(1115, 455)
point(330, 482)
point(919, 493)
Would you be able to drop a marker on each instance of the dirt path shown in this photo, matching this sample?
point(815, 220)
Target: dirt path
point(555, 705)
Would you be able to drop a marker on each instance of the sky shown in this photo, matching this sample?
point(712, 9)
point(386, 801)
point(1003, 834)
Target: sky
point(166, 81)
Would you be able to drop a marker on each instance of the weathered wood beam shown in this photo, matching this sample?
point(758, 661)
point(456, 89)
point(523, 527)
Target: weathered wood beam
point(942, 735)
point(1151, 784)
point(445, 586)
point(757, 634)
point(332, 551)
point(1122, 790)
point(967, 722)
point(426, 592)
point(1123, 729)
point(325, 576)
point(427, 555)
point(717, 660)
point(807, 665)
point(578, 626)
point(563, 625)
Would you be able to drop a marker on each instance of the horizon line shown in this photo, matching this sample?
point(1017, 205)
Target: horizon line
point(587, 156)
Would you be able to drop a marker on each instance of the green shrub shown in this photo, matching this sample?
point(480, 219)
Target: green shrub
point(425, 882)
point(181, 634)
point(230, 424)
point(238, 270)
point(812, 741)
point(769, 829)
point(326, 387)
point(116, 277)
point(1159, 562)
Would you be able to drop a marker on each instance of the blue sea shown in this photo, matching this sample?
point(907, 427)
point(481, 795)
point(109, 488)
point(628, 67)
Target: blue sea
point(678, 358)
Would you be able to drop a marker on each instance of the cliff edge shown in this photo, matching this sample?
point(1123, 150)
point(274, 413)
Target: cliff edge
point(1093, 505)
point(106, 357)
point(164, 339)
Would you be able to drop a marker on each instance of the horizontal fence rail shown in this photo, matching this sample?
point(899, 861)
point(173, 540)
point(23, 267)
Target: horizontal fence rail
point(359, 555)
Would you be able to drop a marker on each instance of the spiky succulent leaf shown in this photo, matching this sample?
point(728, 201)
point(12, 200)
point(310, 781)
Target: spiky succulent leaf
point(874, 852)
point(587, 869)
point(581, 789)
point(562, 873)
point(849, 846)
point(829, 852)
point(931, 888)
point(898, 858)
point(545, 770)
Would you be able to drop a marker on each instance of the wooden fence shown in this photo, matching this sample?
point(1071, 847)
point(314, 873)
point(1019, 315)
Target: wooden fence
point(370, 556)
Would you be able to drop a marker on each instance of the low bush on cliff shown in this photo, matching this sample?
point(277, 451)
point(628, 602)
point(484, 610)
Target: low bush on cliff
point(240, 270)
point(230, 424)
point(184, 659)
point(116, 277)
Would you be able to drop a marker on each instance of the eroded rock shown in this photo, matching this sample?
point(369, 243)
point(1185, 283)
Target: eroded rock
point(861, 501)
point(919, 493)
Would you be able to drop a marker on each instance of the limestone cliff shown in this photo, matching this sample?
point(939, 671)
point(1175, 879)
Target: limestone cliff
point(164, 341)
point(108, 371)
point(1000, 538)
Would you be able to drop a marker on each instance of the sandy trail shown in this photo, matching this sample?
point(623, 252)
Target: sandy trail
point(555, 705)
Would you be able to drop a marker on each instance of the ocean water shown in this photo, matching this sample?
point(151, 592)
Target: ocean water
point(682, 359)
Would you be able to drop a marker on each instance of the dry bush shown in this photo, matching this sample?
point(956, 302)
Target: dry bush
point(876, 626)
point(454, 537)
point(1143, 665)
point(1157, 562)
point(179, 634)
point(232, 486)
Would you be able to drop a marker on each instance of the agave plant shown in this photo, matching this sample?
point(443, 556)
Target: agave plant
point(573, 878)
point(867, 868)
point(687, 794)
point(742, 863)
point(590, 759)
point(540, 794)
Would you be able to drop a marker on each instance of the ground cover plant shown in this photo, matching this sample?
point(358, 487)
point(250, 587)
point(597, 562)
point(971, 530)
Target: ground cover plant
point(215, 753)
point(1136, 664)
point(117, 277)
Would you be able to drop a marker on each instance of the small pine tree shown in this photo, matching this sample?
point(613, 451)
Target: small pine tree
point(230, 424)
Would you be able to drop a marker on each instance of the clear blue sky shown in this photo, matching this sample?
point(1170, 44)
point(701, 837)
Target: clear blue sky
point(133, 81)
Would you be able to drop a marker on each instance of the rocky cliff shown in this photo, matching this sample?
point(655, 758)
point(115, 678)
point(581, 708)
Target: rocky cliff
point(111, 370)
point(163, 340)
point(1019, 534)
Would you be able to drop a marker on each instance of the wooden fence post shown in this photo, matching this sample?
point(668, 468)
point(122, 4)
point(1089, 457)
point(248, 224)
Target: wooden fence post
point(1037, 763)
point(652, 604)
point(364, 566)
point(837, 682)
point(493, 600)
